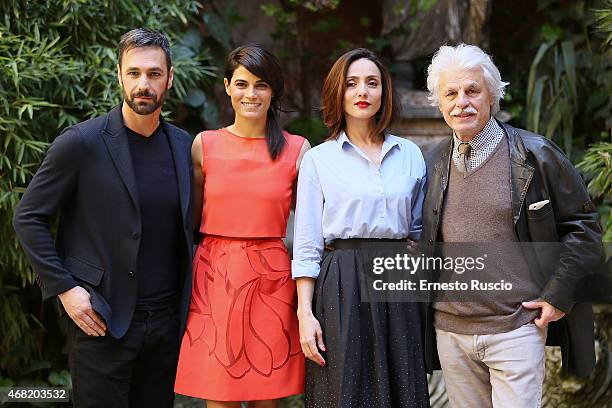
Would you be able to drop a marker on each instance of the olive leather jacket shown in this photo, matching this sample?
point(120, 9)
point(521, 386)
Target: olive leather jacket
point(538, 171)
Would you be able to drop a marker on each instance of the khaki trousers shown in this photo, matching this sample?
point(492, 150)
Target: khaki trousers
point(493, 370)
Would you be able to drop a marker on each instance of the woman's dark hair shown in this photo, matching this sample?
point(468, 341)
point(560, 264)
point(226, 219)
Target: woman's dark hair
point(262, 63)
point(334, 89)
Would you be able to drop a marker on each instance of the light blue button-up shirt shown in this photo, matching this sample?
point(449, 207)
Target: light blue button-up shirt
point(342, 194)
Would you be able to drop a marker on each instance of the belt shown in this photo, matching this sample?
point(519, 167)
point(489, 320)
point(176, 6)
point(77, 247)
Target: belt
point(360, 243)
point(148, 314)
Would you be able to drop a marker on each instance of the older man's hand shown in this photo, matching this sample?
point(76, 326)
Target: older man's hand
point(548, 314)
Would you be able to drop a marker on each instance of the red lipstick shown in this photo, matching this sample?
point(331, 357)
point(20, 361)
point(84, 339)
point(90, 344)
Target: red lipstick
point(363, 104)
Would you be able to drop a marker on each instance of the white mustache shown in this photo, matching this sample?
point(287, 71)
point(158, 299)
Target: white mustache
point(469, 110)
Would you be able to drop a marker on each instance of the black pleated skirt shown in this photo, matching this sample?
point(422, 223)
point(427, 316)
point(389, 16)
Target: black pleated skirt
point(374, 354)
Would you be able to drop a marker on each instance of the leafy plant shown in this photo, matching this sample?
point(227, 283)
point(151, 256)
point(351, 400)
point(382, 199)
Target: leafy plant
point(560, 85)
point(597, 161)
point(604, 24)
point(291, 37)
point(569, 90)
point(58, 67)
point(212, 31)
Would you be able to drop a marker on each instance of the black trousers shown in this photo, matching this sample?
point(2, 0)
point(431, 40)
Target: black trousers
point(137, 370)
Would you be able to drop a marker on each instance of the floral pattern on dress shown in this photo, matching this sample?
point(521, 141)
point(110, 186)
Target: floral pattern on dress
point(220, 314)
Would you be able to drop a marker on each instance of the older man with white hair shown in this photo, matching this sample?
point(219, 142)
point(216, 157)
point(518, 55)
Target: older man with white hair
point(498, 184)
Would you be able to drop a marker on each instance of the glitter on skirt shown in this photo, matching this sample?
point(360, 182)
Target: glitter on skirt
point(374, 352)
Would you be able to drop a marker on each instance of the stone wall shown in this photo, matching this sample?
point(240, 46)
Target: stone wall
point(419, 121)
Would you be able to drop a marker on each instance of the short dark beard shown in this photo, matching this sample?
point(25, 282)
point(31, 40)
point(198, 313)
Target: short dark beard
point(145, 109)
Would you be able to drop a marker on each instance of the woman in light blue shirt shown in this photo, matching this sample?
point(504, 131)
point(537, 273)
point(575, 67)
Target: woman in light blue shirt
point(361, 186)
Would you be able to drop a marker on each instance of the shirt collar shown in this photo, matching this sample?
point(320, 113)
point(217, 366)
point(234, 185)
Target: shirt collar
point(485, 137)
point(343, 139)
point(388, 144)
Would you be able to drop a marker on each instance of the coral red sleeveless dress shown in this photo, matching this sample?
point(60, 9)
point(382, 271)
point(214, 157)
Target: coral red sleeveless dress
point(242, 339)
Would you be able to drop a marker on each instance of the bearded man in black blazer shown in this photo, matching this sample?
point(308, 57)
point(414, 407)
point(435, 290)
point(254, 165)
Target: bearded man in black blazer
point(121, 261)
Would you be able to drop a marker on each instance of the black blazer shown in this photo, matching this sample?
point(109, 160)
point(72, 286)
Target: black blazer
point(87, 177)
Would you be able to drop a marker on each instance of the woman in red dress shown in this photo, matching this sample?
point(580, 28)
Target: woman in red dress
point(242, 341)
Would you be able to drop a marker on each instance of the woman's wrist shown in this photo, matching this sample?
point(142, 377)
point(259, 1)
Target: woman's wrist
point(304, 311)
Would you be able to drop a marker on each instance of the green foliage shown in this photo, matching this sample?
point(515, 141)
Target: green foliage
point(569, 90)
point(597, 164)
point(291, 45)
point(597, 161)
point(604, 24)
point(298, 24)
point(58, 67)
point(214, 32)
point(560, 86)
point(295, 401)
point(313, 127)
point(60, 379)
point(406, 23)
